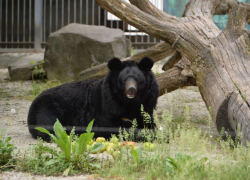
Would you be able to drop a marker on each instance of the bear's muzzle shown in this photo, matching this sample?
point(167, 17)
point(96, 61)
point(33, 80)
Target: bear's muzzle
point(131, 88)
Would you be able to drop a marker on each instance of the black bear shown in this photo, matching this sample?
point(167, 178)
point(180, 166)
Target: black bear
point(113, 101)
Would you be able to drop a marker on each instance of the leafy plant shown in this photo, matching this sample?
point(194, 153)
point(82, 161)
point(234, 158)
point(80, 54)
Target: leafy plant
point(136, 155)
point(146, 117)
point(71, 146)
point(71, 156)
point(6, 150)
point(43, 159)
point(171, 165)
point(132, 51)
point(38, 69)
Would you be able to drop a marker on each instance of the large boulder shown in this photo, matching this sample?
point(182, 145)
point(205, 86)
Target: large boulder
point(27, 67)
point(77, 47)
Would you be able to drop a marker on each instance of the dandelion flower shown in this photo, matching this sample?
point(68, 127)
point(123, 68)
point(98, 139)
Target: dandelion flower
point(13, 111)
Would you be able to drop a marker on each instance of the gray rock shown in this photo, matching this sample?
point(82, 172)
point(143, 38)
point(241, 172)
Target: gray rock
point(23, 68)
point(77, 47)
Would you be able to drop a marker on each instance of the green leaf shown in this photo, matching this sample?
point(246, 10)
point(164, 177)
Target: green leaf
point(43, 130)
point(97, 147)
point(60, 132)
point(74, 146)
point(204, 159)
point(52, 161)
point(90, 125)
point(8, 139)
point(171, 165)
point(182, 157)
point(66, 172)
point(65, 147)
point(82, 142)
point(170, 162)
point(95, 165)
point(139, 152)
point(136, 155)
point(46, 131)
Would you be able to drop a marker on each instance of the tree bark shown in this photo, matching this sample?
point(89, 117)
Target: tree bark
point(214, 60)
point(157, 52)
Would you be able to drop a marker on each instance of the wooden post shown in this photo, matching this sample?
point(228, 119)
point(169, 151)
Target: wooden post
point(38, 25)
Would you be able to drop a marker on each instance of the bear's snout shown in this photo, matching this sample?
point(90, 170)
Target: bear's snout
point(130, 88)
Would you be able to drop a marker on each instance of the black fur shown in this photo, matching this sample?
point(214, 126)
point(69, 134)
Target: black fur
point(77, 103)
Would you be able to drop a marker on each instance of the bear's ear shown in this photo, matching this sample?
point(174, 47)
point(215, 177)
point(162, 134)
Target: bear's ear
point(114, 64)
point(146, 64)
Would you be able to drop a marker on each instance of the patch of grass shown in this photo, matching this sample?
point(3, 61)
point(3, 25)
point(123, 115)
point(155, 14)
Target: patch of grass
point(202, 120)
point(189, 155)
point(37, 87)
point(40, 86)
point(177, 106)
point(193, 88)
point(9, 79)
point(180, 152)
point(4, 93)
point(156, 73)
point(35, 160)
point(192, 100)
point(6, 152)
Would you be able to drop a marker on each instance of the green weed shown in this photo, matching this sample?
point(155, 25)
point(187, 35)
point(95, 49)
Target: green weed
point(37, 160)
point(189, 154)
point(6, 151)
point(72, 147)
point(4, 93)
point(70, 156)
point(132, 51)
point(202, 120)
point(193, 88)
point(39, 87)
point(192, 100)
point(38, 71)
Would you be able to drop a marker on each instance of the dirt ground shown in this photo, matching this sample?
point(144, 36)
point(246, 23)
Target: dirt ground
point(14, 110)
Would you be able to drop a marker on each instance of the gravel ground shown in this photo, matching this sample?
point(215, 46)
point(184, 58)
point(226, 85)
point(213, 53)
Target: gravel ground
point(25, 176)
point(14, 110)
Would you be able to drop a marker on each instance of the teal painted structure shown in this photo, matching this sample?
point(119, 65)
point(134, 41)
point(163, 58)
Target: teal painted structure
point(176, 8)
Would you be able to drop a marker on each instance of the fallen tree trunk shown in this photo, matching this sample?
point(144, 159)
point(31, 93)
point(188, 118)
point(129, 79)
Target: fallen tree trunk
point(214, 60)
point(157, 52)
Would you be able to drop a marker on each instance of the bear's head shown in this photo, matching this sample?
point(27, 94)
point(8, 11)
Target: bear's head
point(130, 79)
